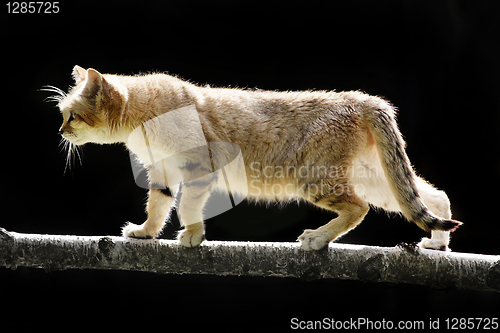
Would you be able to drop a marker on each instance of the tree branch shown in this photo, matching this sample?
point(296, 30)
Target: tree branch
point(401, 264)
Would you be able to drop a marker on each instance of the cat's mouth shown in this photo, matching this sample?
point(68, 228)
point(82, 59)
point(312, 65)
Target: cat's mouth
point(71, 137)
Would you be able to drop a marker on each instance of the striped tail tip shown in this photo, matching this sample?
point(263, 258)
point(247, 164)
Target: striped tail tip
point(447, 225)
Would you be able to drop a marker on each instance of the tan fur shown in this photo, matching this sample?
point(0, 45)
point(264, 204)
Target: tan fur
point(341, 151)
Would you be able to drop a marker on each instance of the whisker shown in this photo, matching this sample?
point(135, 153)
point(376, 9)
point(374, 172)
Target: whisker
point(60, 94)
point(72, 153)
point(78, 151)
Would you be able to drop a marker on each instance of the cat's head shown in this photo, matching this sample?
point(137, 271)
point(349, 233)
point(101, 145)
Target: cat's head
point(92, 111)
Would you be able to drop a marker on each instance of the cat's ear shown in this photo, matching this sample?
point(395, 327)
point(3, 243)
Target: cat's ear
point(93, 83)
point(78, 74)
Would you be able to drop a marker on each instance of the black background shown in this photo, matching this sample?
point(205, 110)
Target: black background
point(437, 61)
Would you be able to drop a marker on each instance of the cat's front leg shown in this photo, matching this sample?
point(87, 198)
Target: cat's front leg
point(159, 205)
point(194, 196)
point(192, 235)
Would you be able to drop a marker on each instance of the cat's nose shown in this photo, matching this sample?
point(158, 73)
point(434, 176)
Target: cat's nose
point(61, 132)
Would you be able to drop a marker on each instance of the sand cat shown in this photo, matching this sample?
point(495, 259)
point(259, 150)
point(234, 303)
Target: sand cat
point(341, 151)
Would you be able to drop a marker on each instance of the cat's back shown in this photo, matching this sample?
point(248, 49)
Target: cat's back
point(283, 103)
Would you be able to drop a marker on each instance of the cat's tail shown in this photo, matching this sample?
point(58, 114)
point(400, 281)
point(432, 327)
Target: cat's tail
point(380, 117)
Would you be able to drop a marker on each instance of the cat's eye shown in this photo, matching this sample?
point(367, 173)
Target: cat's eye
point(71, 117)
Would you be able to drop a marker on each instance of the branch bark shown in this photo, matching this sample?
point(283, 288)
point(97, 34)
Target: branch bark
point(401, 264)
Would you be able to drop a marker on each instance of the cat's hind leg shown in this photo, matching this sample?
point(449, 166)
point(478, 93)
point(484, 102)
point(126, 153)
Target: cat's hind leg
point(351, 211)
point(438, 203)
point(439, 241)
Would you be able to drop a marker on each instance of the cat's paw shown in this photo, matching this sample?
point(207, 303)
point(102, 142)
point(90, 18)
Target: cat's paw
point(192, 236)
point(313, 240)
point(136, 231)
point(433, 244)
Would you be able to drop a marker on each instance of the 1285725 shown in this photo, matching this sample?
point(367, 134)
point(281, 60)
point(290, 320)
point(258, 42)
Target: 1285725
point(38, 7)
point(472, 323)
